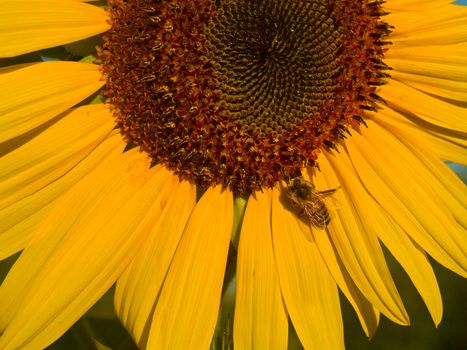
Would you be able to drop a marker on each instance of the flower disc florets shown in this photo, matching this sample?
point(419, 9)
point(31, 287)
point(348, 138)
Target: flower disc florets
point(241, 93)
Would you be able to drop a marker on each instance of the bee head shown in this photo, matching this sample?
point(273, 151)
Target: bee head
point(301, 188)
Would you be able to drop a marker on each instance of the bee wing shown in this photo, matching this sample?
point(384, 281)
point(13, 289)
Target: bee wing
point(332, 203)
point(316, 213)
point(327, 197)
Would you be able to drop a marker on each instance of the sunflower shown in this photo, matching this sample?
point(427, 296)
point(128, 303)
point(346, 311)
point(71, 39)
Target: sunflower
point(299, 135)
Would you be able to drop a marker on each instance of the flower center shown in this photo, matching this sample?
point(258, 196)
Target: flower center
point(237, 92)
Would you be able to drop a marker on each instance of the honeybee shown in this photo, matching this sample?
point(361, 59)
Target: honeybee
point(304, 195)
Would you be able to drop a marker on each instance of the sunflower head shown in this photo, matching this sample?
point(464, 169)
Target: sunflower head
point(241, 93)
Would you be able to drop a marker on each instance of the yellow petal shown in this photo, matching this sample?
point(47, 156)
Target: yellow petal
point(440, 180)
point(309, 292)
point(392, 176)
point(436, 61)
point(425, 66)
point(444, 143)
point(33, 94)
point(447, 198)
point(450, 89)
point(407, 253)
point(186, 312)
point(448, 148)
point(402, 97)
point(138, 288)
point(82, 247)
point(260, 319)
point(444, 25)
point(366, 313)
point(415, 5)
point(50, 155)
point(43, 172)
point(27, 26)
point(359, 248)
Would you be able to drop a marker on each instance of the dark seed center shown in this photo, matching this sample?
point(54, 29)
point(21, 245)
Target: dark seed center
point(275, 61)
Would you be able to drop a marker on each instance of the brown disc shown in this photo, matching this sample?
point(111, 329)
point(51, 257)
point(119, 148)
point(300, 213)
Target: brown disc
point(237, 92)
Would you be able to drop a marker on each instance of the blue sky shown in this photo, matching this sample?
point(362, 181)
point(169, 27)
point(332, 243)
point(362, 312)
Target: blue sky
point(462, 2)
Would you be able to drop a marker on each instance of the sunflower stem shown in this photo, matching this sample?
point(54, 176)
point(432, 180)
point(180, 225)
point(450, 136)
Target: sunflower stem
point(84, 334)
point(239, 211)
point(223, 335)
